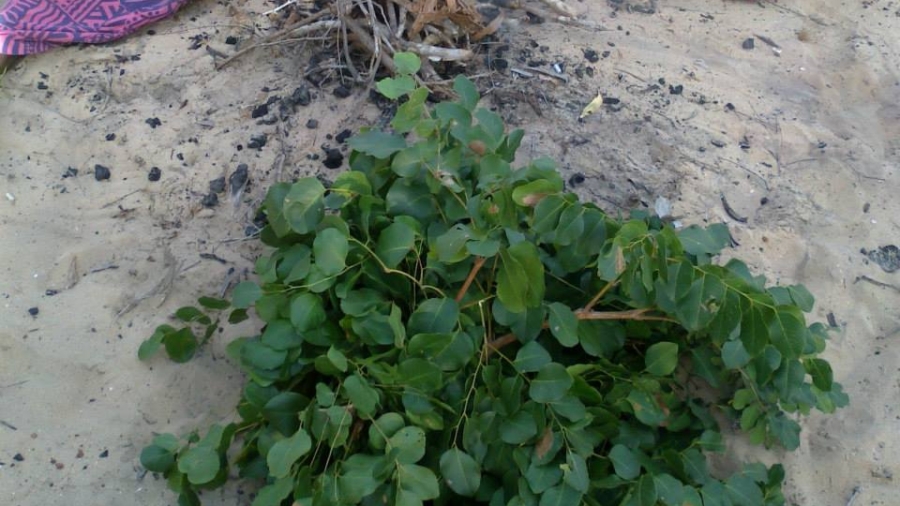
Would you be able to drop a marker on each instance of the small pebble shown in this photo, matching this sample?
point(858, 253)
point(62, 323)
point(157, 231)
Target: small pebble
point(591, 55)
point(51, 293)
point(611, 100)
point(342, 91)
point(217, 185)
point(343, 136)
point(260, 111)
point(70, 172)
point(312, 124)
point(763, 201)
point(101, 173)
point(18, 457)
point(676, 90)
point(333, 158)
point(231, 40)
point(210, 200)
point(154, 174)
point(717, 143)
point(257, 141)
point(576, 179)
point(153, 122)
point(748, 44)
point(110, 137)
point(41, 85)
point(104, 454)
point(301, 96)
point(239, 178)
point(33, 311)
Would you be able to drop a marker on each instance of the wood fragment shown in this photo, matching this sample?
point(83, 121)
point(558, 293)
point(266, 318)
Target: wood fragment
point(730, 210)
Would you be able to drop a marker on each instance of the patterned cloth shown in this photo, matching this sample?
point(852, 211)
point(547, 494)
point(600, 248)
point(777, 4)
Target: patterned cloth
point(35, 26)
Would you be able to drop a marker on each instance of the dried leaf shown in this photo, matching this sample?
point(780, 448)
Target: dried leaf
point(592, 107)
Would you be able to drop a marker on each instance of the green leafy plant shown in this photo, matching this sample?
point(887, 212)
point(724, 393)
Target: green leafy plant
point(442, 328)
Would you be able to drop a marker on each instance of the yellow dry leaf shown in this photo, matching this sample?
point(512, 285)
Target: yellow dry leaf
point(592, 107)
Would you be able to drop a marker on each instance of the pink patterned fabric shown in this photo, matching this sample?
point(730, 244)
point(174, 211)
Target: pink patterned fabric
point(34, 26)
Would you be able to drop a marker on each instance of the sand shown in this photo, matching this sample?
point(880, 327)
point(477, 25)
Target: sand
point(816, 183)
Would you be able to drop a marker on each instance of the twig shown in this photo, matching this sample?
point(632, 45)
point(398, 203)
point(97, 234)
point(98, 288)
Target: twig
point(875, 282)
point(8, 425)
point(801, 161)
point(561, 77)
point(856, 490)
point(102, 268)
point(523, 73)
point(730, 211)
point(162, 287)
point(476, 266)
point(306, 25)
point(15, 384)
point(120, 199)
point(590, 305)
point(443, 53)
point(276, 10)
point(631, 314)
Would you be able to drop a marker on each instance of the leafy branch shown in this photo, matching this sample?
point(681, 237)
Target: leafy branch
point(425, 339)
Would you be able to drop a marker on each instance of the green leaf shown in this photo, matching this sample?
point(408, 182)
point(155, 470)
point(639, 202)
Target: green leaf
point(376, 143)
point(743, 491)
point(395, 87)
point(407, 63)
point(434, 316)
point(337, 359)
point(468, 94)
point(670, 490)
point(330, 249)
point(625, 462)
point(418, 481)
point(281, 335)
point(785, 430)
point(695, 465)
point(151, 345)
point(181, 345)
point(283, 410)
point(551, 383)
point(645, 491)
point(711, 240)
point(307, 312)
point(576, 473)
point(460, 472)
point(362, 395)
point(520, 283)
point(420, 374)
point(200, 464)
point(531, 357)
point(450, 351)
point(285, 452)
point(410, 197)
point(801, 296)
point(661, 358)
point(646, 409)
point(245, 294)
point(394, 243)
point(755, 328)
point(563, 324)
point(451, 245)
point(530, 194)
point(157, 459)
point(274, 494)
point(788, 332)
point(560, 495)
point(518, 428)
point(304, 205)
point(734, 356)
point(820, 370)
point(214, 303)
point(407, 445)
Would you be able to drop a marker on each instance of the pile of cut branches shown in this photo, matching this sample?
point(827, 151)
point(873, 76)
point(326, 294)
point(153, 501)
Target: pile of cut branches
point(367, 33)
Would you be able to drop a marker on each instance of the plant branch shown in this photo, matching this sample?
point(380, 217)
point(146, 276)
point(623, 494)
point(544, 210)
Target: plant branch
point(479, 262)
point(631, 314)
point(590, 305)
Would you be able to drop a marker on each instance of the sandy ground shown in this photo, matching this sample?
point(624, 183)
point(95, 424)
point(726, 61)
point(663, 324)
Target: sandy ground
point(100, 264)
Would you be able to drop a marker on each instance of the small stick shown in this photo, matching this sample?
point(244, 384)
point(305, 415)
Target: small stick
point(561, 77)
point(304, 23)
point(479, 262)
point(856, 490)
point(523, 73)
point(8, 425)
point(730, 211)
point(875, 282)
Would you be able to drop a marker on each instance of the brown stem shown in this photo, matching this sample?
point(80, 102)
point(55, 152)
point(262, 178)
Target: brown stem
point(590, 305)
point(631, 314)
point(479, 262)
